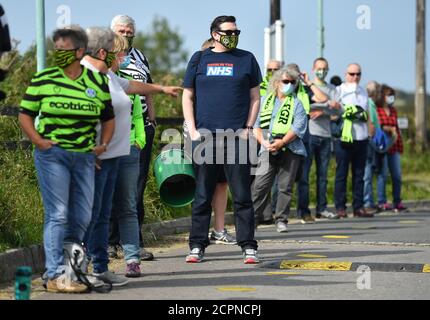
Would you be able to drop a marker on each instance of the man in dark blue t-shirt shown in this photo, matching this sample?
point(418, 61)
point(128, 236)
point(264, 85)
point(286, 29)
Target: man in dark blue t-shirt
point(221, 92)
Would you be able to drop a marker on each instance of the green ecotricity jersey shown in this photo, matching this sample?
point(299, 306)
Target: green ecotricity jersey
point(69, 109)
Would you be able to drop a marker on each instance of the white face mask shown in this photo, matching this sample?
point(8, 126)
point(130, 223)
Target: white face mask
point(288, 89)
point(352, 86)
point(390, 100)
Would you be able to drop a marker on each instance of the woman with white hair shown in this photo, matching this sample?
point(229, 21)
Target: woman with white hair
point(283, 121)
point(139, 70)
point(101, 55)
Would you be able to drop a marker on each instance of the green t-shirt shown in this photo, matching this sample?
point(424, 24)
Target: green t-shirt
point(68, 110)
point(373, 113)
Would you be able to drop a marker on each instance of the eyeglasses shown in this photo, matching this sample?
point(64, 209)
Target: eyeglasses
point(230, 32)
point(286, 81)
point(358, 74)
point(272, 70)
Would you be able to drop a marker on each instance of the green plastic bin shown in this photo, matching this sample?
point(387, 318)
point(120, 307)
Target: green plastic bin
point(174, 175)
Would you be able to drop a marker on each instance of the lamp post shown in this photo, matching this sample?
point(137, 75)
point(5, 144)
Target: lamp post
point(321, 43)
point(40, 34)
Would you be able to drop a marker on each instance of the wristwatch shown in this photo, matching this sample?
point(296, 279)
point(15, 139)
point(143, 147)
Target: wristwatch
point(104, 144)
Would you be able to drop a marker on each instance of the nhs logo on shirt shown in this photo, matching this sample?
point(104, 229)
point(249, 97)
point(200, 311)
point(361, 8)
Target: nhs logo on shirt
point(220, 69)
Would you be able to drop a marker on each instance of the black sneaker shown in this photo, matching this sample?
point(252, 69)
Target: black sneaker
point(222, 237)
point(146, 255)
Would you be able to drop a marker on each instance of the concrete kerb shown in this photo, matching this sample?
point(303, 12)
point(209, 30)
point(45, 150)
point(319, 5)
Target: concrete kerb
point(34, 256)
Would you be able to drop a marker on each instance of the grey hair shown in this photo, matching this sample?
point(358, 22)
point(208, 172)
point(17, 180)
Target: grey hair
point(99, 38)
point(291, 70)
point(73, 32)
point(373, 90)
point(122, 20)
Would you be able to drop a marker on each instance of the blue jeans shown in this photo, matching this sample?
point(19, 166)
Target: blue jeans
point(124, 208)
point(66, 181)
point(368, 178)
point(303, 183)
point(391, 163)
point(320, 149)
point(97, 235)
point(356, 155)
point(144, 164)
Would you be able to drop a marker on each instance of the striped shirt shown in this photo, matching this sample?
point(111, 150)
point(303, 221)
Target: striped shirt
point(139, 70)
point(68, 110)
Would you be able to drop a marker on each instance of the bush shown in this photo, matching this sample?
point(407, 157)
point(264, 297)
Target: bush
point(21, 212)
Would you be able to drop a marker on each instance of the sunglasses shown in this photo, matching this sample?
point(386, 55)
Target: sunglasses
point(358, 74)
point(230, 32)
point(285, 81)
point(272, 70)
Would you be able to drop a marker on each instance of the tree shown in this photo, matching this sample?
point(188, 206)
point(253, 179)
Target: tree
point(163, 47)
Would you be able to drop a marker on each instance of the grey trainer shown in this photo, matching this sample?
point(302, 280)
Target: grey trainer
point(110, 277)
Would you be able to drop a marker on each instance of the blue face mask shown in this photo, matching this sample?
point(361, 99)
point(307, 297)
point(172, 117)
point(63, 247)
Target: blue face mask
point(125, 62)
point(288, 89)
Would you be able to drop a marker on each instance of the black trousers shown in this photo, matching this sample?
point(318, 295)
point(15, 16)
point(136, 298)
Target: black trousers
point(239, 181)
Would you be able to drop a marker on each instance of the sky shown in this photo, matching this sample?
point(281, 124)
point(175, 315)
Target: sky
point(377, 34)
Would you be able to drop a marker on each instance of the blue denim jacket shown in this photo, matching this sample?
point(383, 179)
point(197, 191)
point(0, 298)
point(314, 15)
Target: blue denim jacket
point(299, 125)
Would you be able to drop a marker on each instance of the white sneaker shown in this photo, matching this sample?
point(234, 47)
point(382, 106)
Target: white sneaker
point(281, 226)
point(110, 277)
point(329, 215)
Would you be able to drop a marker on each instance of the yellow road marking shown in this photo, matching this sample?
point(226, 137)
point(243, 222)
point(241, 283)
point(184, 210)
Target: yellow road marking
point(311, 256)
point(285, 273)
point(336, 237)
point(235, 289)
point(426, 268)
point(408, 221)
point(316, 265)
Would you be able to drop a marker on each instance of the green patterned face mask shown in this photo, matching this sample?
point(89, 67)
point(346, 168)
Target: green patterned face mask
point(230, 42)
point(130, 41)
point(64, 58)
point(110, 58)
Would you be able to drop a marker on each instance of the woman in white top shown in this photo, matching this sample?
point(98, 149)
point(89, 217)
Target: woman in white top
point(100, 57)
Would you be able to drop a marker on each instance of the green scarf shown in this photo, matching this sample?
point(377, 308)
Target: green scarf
point(284, 117)
point(352, 113)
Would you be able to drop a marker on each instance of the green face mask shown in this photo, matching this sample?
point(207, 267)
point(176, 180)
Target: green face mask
point(230, 42)
point(64, 58)
point(321, 74)
point(130, 41)
point(110, 58)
